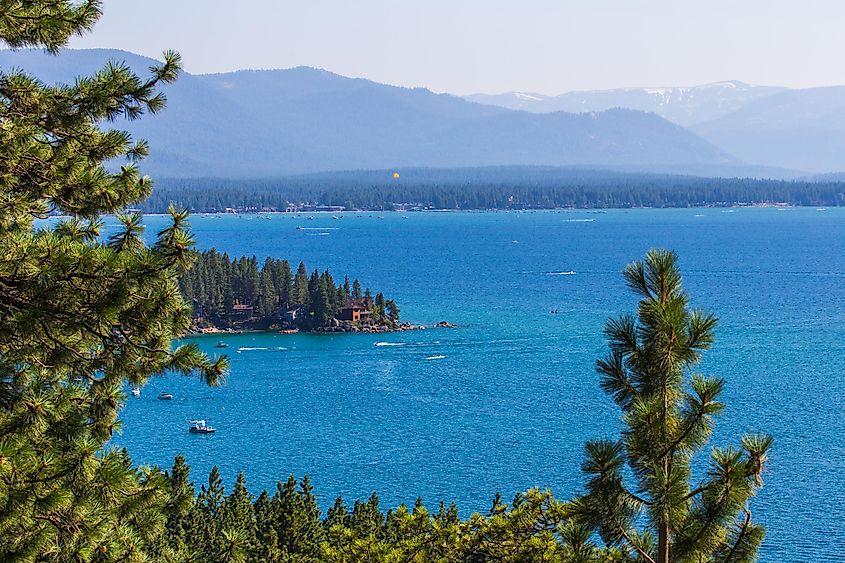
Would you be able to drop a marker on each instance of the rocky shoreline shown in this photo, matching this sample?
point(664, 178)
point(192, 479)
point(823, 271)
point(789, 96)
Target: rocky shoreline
point(340, 328)
point(350, 328)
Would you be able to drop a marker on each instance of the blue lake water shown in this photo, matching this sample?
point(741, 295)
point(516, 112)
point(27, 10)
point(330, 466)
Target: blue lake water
point(507, 401)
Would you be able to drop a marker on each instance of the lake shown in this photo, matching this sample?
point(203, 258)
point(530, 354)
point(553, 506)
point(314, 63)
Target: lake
point(506, 401)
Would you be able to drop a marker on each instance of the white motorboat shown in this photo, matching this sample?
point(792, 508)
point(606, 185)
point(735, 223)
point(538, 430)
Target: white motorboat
point(199, 427)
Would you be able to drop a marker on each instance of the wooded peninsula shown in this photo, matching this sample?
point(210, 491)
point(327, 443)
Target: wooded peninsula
point(237, 293)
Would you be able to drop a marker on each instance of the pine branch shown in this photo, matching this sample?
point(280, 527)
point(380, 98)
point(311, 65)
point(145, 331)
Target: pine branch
point(740, 537)
point(636, 547)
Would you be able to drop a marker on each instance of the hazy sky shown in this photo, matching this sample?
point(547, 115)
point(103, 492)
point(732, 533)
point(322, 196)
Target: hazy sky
point(467, 46)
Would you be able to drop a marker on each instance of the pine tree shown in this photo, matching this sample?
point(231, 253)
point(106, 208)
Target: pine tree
point(667, 413)
point(209, 508)
point(337, 515)
point(76, 308)
point(265, 522)
point(290, 517)
point(268, 292)
point(312, 532)
point(378, 307)
point(300, 285)
point(252, 282)
point(366, 517)
point(237, 520)
point(368, 299)
point(227, 283)
point(392, 310)
point(284, 283)
point(340, 300)
point(180, 509)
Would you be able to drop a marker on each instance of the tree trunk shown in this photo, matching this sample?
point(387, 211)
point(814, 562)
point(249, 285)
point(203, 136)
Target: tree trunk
point(663, 544)
point(663, 527)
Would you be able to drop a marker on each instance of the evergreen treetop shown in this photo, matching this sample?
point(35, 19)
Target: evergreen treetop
point(668, 415)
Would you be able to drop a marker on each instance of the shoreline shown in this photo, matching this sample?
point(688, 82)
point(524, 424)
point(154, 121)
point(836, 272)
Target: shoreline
point(304, 214)
point(405, 327)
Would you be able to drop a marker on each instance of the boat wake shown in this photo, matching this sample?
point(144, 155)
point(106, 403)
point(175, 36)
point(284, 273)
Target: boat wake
point(569, 273)
point(389, 344)
point(435, 357)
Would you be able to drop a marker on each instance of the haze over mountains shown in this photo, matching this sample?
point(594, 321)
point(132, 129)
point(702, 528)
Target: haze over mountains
point(800, 129)
point(302, 120)
point(684, 106)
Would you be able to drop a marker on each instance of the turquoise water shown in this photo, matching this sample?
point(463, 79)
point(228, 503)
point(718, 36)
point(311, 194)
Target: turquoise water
point(506, 401)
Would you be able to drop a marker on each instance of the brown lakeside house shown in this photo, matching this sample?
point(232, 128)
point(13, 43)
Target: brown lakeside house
point(355, 310)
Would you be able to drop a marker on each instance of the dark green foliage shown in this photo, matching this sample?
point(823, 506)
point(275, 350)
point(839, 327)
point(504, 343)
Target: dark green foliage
point(300, 286)
point(290, 527)
point(392, 310)
point(217, 286)
point(180, 510)
point(79, 318)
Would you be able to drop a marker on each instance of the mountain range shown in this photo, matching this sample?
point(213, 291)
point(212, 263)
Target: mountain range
point(684, 106)
point(798, 129)
point(300, 120)
point(261, 123)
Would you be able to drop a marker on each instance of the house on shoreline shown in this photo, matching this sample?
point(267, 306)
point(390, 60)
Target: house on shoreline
point(355, 311)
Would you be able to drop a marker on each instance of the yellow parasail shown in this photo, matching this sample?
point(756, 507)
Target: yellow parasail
point(396, 175)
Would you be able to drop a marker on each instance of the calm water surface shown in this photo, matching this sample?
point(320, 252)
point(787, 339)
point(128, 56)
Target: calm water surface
point(506, 401)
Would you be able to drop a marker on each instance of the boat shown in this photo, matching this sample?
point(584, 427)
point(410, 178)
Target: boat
point(221, 344)
point(136, 392)
point(165, 396)
point(199, 427)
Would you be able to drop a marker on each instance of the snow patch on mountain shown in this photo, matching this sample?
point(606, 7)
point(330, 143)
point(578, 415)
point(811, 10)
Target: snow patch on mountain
point(684, 105)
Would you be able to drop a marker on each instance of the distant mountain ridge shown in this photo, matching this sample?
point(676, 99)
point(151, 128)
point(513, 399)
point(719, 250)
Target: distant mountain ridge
point(301, 120)
point(801, 129)
point(795, 129)
point(682, 105)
